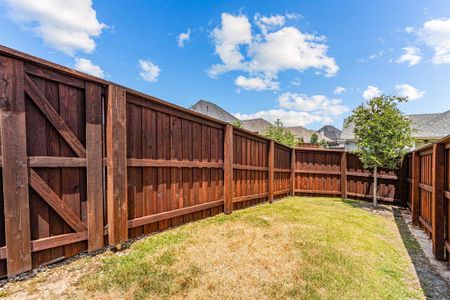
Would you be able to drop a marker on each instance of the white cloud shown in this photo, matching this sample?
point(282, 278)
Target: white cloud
point(371, 92)
point(300, 110)
point(183, 38)
point(406, 90)
point(436, 34)
point(67, 26)
point(411, 56)
point(256, 83)
point(409, 29)
point(318, 104)
point(86, 66)
point(148, 70)
point(339, 90)
point(267, 24)
point(272, 49)
point(235, 31)
point(288, 117)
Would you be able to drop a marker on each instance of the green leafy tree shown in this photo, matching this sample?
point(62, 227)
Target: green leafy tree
point(314, 139)
point(382, 134)
point(323, 143)
point(237, 124)
point(281, 134)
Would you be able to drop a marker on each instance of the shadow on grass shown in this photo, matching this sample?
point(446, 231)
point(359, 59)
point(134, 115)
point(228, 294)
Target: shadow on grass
point(433, 285)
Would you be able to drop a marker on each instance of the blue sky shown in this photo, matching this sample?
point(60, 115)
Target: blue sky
point(306, 62)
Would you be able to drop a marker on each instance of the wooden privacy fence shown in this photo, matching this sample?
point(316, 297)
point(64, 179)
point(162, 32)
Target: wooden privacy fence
point(87, 163)
point(427, 172)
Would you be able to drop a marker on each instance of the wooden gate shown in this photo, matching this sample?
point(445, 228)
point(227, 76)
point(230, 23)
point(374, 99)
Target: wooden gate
point(52, 160)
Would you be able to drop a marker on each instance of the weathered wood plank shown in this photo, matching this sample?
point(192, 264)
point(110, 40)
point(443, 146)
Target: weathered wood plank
point(136, 162)
point(250, 168)
point(250, 197)
point(94, 172)
point(271, 164)
point(438, 201)
point(15, 173)
point(173, 213)
point(228, 169)
point(415, 208)
point(55, 202)
point(116, 147)
point(293, 166)
point(56, 162)
point(53, 75)
point(344, 175)
point(52, 115)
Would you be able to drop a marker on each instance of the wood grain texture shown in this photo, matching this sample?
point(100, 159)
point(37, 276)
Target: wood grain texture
point(15, 173)
point(438, 201)
point(94, 164)
point(117, 168)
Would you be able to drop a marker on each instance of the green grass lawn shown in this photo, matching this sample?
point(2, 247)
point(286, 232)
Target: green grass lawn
point(312, 248)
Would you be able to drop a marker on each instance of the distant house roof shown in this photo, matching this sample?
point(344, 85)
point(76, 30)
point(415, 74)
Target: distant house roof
point(304, 133)
point(256, 125)
point(213, 110)
point(330, 132)
point(435, 125)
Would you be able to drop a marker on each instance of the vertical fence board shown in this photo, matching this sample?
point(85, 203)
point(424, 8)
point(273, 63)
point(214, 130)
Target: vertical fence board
point(344, 175)
point(437, 202)
point(117, 166)
point(14, 167)
point(415, 177)
point(228, 170)
point(271, 161)
point(94, 165)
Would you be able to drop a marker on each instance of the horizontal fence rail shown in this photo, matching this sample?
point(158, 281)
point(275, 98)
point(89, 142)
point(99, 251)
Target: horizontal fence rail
point(89, 163)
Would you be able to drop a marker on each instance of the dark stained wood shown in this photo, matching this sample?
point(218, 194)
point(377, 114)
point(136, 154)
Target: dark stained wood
point(44, 63)
point(173, 213)
point(35, 94)
point(249, 168)
point(55, 202)
point(438, 201)
point(228, 169)
point(135, 162)
point(325, 172)
point(58, 241)
point(344, 175)
point(94, 164)
point(117, 166)
point(15, 174)
point(56, 162)
point(293, 165)
point(54, 76)
point(250, 197)
point(415, 208)
point(271, 163)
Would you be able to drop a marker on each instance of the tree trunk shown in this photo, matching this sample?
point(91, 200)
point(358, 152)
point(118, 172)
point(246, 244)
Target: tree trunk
point(375, 186)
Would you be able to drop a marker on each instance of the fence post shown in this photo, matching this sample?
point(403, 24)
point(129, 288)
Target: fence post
point(228, 169)
point(293, 163)
point(94, 166)
point(271, 164)
point(14, 167)
point(344, 175)
point(438, 201)
point(117, 166)
point(415, 177)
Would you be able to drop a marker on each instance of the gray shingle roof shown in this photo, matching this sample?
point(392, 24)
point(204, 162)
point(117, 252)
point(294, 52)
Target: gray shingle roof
point(213, 110)
point(256, 125)
point(435, 125)
point(330, 132)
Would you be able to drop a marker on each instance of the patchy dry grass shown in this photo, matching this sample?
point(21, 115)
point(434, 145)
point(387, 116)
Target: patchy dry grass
point(295, 248)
